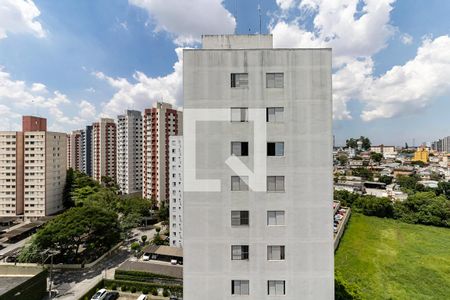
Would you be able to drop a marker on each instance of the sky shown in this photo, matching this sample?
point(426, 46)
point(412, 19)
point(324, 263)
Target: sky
point(76, 61)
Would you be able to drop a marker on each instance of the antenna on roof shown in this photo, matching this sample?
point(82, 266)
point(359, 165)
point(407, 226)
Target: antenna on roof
point(235, 15)
point(259, 13)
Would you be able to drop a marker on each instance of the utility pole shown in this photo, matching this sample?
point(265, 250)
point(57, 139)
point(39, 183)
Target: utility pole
point(259, 12)
point(51, 269)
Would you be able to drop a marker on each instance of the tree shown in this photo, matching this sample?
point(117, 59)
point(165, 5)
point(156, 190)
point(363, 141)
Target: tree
point(68, 187)
point(374, 206)
point(343, 159)
point(345, 197)
point(90, 228)
point(364, 173)
point(386, 179)
point(143, 239)
point(157, 240)
point(424, 208)
point(443, 189)
point(376, 157)
point(163, 213)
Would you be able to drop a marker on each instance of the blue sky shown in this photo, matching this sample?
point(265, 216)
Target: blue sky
point(74, 61)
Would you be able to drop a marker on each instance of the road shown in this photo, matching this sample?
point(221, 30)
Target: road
point(72, 284)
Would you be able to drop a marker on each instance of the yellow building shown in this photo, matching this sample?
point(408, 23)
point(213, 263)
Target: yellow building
point(421, 155)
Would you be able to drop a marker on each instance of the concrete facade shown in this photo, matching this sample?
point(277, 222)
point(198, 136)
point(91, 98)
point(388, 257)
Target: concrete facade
point(305, 269)
point(104, 160)
point(160, 122)
point(129, 152)
point(176, 191)
point(32, 171)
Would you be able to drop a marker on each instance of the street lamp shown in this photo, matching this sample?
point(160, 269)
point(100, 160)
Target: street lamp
point(51, 254)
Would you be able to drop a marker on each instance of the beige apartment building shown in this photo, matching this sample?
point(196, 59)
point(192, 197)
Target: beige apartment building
point(32, 170)
point(104, 159)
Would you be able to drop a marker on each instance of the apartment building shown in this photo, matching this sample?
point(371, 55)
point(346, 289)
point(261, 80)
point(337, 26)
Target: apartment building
point(32, 170)
point(86, 150)
point(387, 151)
point(160, 122)
point(129, 152)
point(104, 160)
point(264, 234)
point(176, 191)
point(74, 144)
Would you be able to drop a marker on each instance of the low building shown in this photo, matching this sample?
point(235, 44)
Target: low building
point(22, 283)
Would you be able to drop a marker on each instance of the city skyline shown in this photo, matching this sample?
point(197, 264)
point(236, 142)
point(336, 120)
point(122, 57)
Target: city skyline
point(77, 62)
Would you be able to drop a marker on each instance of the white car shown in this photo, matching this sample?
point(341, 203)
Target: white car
point(146, 257)
point(100, 295)
point(142, 297)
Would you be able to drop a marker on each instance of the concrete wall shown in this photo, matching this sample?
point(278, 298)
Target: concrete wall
point(307, 167)
point(237, 41)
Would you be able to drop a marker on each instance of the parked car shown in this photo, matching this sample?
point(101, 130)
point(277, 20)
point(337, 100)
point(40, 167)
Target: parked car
point(146, 256)
point(142, 297)
point(173, 261)
point(112, 296)
point(100, 295)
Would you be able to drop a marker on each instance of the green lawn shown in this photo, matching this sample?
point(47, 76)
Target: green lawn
point(388, 259)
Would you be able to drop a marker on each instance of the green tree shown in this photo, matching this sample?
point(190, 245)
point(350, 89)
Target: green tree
point(443, 189)
point(343, 159)
point(374, 206)
point(376, 157)
point(386, 179)
point(92, 228)
point(143, 239)
point(345, 197)
point(68, 187)
point(364, 173)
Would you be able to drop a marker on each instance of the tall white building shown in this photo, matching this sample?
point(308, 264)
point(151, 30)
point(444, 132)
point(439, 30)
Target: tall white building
point(176, 191)
point(104, 160)
point(160, 122)
point(258, 109)
point(129, 152)
point(32, 170)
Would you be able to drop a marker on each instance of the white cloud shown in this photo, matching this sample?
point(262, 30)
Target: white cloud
point(19, 98)
point(145, 90)
point(412, 86)
point(406, 39)
point(18, 16)
point(285, 4)
point(188, 20)
point(339, 24)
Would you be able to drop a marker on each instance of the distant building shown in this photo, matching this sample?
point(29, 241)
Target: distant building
point(86, 150)
point(387, 151)
point(421, 154)
point(104, 154)
point(32, 170)
point(160, 122)
point(74, 150)
point(176, 190)
point(129, 152)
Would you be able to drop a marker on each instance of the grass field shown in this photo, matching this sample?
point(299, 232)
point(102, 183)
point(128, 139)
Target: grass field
point(388, 259)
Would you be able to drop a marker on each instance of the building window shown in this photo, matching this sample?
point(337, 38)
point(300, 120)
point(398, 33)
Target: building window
point(275, 217)
point(275, 149)
point(274, 80)
point(239, 148)
point(239, 114)
point(239, 80)
point(239, 252)
point(275, 183)
point(238, 183)
point(239, 218)
point(275, 252)
point(276, 287)
point(275, 114)
point(240, 287)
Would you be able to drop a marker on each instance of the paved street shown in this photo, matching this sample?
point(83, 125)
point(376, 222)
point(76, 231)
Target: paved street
point(72, 284)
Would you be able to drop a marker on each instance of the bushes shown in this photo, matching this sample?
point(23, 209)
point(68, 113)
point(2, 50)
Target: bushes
point(166, 293)
point(133, 290)
point(419, 208)
point(140, 286)
point(138, 276)
point(374, 206)
point(145, 291)
point(154, 292)
point(344, 290)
